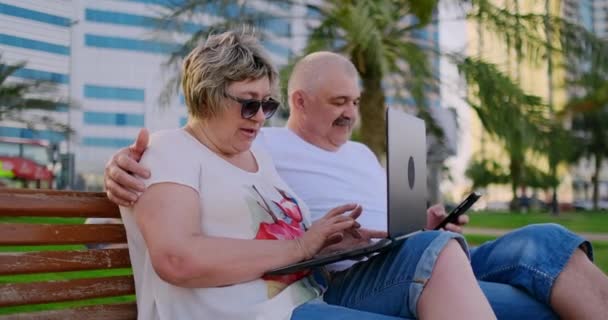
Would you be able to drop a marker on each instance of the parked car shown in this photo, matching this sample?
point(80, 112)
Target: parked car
point(586, 205)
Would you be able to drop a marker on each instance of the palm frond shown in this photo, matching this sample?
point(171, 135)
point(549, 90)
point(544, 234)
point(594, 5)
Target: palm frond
point(537, 35)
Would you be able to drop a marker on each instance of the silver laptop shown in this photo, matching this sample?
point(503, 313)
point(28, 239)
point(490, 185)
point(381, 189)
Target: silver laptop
point(406, 180)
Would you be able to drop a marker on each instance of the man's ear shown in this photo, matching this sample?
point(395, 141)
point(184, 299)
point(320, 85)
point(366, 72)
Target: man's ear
point(298, 100)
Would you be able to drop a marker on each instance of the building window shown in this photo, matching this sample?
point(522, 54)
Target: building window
point(277, 25)
point(113, 93)
point(111, 17)
point(104, 142)
point(49, 135)
point(114, 119)
point(421, 34)
point(129, 44)
point(277, 49)
point(157, 2)
point(312, 12)
point(33, 44)
point(32, 74)
point(34, 15)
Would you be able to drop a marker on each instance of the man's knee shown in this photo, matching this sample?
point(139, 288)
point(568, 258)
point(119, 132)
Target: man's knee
point(540, 230)
point(525, 245)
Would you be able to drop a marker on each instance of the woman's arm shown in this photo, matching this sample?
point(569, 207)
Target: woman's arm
point(169, 219)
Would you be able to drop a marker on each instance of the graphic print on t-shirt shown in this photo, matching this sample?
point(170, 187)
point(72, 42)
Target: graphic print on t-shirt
point(280, 219)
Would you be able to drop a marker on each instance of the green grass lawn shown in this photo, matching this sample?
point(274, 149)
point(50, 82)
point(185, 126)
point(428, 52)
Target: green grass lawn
point(575, 221)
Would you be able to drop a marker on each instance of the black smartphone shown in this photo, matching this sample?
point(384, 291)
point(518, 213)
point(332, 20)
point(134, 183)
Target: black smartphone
point(460, 209)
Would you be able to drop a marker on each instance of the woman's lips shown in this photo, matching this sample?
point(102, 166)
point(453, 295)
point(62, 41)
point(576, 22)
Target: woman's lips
point(251, 133)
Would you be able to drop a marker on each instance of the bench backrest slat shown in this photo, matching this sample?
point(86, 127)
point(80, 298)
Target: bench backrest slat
point(51, 203)
point(29, 274)
point(59, 261)
point(16, 294)
point(38, 234)
point(118, 311)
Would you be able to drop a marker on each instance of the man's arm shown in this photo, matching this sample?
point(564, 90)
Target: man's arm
point(122, 187)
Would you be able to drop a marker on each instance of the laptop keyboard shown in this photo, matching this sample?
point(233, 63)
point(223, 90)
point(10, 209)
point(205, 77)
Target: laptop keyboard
point(357, 247)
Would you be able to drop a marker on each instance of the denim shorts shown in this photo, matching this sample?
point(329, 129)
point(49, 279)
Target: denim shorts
point(530, 258)
point(516, 273)
point(387, 286)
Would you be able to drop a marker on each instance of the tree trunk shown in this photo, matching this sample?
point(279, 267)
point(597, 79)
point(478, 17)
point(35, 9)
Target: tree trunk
point(554, 202)
point(596, 180)
point(371, 108)
point(515, 168)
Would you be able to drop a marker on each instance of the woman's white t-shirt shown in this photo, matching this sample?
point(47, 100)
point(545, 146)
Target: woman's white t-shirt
point(234, 204)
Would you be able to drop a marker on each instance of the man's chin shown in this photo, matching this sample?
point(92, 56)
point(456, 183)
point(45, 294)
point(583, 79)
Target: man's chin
point(340, 141)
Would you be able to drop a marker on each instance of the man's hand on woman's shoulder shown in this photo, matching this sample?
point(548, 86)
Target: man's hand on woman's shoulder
point(122, 187)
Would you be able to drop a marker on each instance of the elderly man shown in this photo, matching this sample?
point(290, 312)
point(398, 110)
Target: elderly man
point(314, 156)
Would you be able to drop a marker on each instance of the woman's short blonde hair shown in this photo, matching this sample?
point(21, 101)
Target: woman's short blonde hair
point(213, 65)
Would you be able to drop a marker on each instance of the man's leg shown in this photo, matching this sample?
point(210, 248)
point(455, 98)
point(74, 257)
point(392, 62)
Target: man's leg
point(545, 261)
point(509, 302)
point(581, 290)
point(319, 310)
point(428, 275)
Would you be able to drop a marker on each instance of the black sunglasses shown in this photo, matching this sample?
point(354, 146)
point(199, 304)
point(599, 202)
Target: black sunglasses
point(250, 107)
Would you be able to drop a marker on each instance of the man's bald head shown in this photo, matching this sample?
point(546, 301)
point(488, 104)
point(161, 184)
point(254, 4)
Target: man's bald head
point(324, 96)
point(308, 74)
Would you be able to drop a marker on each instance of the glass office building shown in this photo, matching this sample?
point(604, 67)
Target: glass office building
point(108, 57)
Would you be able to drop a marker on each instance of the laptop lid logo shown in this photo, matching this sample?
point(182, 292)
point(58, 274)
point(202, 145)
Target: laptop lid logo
point(411, 173)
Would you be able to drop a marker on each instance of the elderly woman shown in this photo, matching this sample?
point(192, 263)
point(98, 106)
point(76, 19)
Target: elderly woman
point(199, 235)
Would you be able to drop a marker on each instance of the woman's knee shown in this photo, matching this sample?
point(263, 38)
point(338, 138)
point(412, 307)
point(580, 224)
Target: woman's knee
point(452, 252)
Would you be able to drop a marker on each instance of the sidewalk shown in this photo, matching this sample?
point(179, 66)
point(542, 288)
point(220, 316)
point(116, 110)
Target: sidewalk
point(500, 232)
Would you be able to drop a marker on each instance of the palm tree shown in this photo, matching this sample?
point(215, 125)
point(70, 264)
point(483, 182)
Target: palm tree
point(590, 122)
point(18, 97)
point(507, 113)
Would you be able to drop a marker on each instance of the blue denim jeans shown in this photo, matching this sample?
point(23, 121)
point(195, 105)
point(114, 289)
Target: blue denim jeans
point(516, 273)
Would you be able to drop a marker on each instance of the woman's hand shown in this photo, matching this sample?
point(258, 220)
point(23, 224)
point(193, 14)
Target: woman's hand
point(349, 241)
point(329, 230)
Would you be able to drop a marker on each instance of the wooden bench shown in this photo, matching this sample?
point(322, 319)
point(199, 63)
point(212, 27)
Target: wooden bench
point(19, 289)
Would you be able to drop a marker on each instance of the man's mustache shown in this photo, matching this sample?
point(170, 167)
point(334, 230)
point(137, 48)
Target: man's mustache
point(343, 121)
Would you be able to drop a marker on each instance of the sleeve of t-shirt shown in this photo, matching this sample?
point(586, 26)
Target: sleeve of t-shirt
point(170, 159)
